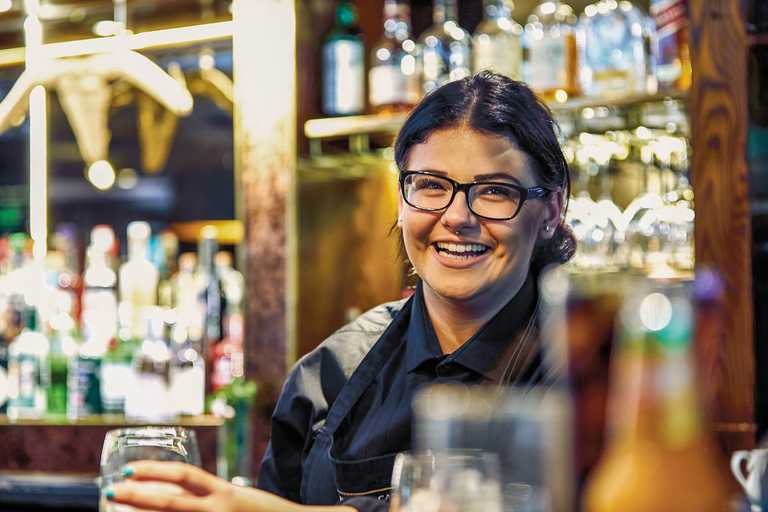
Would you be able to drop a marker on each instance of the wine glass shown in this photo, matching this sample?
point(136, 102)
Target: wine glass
point(125, 445)
point(455, 480)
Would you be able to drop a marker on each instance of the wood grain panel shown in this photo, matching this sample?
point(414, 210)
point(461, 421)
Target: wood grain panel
point(350, 262)
point(723, 232)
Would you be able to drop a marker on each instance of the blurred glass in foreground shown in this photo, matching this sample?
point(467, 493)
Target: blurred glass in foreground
point(456, 480)
point(125, 445)
point(527, 428)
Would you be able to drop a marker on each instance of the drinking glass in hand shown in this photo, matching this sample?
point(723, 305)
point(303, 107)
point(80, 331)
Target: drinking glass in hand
point(126, 445)
point(455, 480)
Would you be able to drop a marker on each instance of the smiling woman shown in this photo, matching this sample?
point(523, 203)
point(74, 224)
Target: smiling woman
point(482, 188)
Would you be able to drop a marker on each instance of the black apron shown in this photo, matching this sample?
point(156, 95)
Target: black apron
point(329, 480)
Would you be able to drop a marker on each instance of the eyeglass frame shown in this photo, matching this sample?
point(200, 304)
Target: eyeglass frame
point(525, 193)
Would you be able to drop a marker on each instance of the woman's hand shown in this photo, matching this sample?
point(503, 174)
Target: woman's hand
point(179, 487)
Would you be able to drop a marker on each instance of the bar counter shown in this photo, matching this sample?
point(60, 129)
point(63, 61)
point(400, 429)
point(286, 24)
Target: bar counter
point(51, 463)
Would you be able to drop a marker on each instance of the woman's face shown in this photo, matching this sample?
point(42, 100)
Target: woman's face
point(492, 272)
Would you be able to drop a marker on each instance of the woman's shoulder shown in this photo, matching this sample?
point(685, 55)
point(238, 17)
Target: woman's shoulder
point(346, 348)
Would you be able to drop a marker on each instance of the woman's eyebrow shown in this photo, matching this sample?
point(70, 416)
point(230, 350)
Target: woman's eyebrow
point(496, 176)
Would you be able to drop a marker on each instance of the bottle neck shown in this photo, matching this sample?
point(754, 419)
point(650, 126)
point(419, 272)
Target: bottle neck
point(346, 15)
point(497, 9)
point(397, 20)
point(445, 10)
point(137, 249)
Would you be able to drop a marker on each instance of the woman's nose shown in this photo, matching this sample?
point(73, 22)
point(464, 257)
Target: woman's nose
point(458, 215)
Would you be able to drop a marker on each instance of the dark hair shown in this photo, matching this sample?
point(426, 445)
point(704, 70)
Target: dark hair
point(497, 105)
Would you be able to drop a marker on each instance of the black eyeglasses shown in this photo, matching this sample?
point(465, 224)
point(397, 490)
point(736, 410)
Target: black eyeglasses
point(493, 200)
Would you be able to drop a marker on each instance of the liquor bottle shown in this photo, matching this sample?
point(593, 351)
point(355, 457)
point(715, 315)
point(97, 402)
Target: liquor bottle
point(496, 44)
point(62, 348)
point(187, 288)
point(26, 373)
point(166, 250)
point(344, 64)
point(187, 374)
point(138, 278)
point(69, 281)
point(659, 455)
point(616, 49)
point(227, 359)
point(99, 314)
point(116, 370)
point(211, 296)
point(148, 398)
point(84, 380)
point(443, 49)
point(552, 51)
point(672, 49)
point(4, 383)
point(393, 80)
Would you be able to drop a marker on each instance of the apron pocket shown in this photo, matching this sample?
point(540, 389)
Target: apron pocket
point(365, 477)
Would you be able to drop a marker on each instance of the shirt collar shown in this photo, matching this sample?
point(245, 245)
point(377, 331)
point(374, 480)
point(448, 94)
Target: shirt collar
point(422, 343)
point(486, 351)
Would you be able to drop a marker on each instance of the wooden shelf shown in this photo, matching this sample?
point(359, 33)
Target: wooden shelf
point(331, 127)
point(350, 126)
point(110, 420)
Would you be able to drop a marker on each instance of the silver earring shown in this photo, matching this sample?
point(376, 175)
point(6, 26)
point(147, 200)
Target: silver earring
point(547, 228)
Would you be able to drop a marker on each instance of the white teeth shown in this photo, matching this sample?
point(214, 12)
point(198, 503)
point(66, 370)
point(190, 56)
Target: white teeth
point(461, 248)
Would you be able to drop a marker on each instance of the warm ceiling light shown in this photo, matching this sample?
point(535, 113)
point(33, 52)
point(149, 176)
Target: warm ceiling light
point(127, 179)
point(101, 174)
point(6, 5)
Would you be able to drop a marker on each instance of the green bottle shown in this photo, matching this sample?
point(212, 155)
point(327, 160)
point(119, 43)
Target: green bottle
point(344, 64)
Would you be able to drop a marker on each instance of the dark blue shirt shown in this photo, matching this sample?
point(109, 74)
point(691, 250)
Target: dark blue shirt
point(345, 410)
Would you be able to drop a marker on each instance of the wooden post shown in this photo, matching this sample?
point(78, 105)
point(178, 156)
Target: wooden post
point(718, 108)
point(264, 63)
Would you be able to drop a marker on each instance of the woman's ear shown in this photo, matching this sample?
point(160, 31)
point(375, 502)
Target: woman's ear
point(553, 209)
point(399, 210)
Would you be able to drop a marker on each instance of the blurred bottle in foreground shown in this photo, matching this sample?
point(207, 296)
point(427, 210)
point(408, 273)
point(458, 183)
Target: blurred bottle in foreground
point(659, 455)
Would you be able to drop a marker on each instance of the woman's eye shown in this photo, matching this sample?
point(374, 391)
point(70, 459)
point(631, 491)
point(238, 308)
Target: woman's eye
point(428, 184)
point(496, 190)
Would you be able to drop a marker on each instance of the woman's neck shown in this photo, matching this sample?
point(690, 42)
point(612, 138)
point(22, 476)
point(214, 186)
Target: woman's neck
point(455, 322)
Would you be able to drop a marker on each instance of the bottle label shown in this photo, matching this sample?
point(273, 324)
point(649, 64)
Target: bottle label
point(670, 16)
point(115, 381)
point(149, 398)
point(24, 381)
point(84, 387)
point(4, 389)
point(343, 78)
point(99, 315)
point(188, 389)
point(444, 64)
point(390, 86)
point(548, 66)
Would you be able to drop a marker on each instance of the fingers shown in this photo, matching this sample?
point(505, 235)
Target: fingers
point(191, 478)
point(158, 497)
